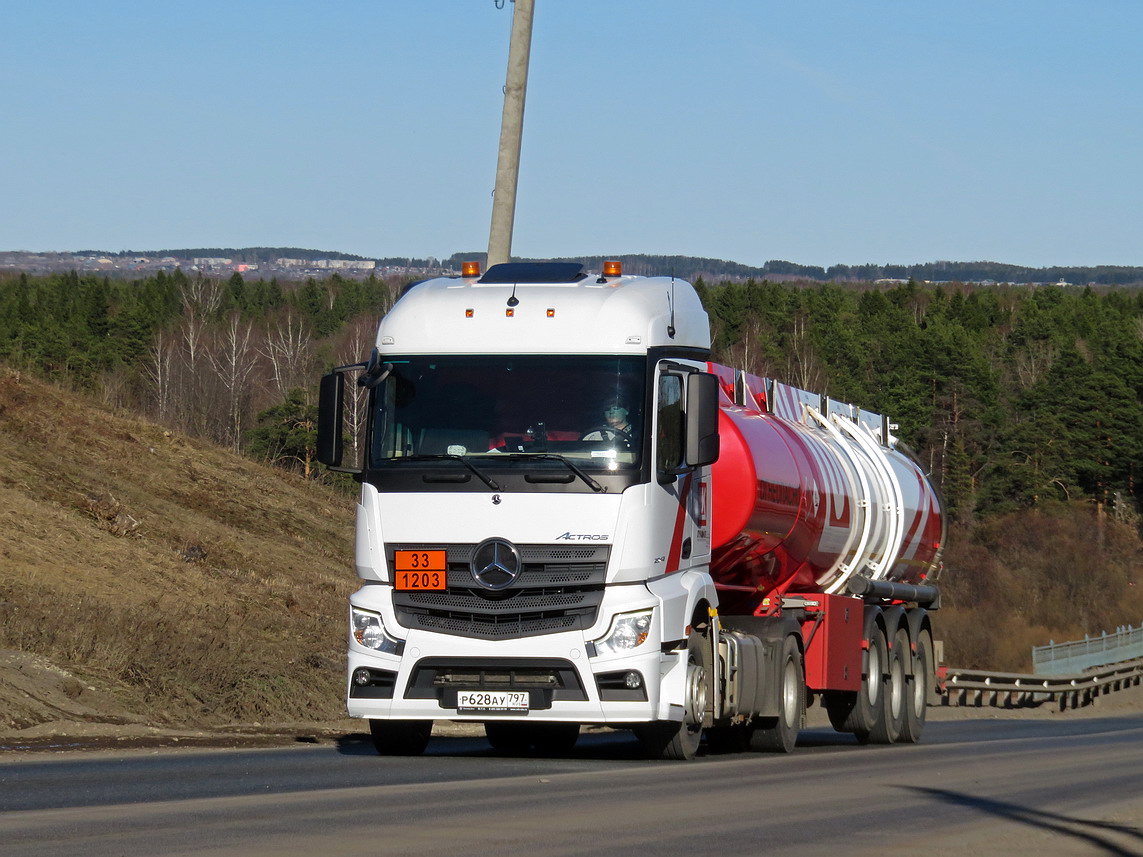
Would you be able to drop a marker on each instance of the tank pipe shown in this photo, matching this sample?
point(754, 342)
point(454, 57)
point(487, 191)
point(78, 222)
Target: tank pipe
point(925, 596)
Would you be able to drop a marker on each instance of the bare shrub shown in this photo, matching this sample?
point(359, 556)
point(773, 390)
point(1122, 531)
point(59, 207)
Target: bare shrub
point(1022, 580)
point(110, 515)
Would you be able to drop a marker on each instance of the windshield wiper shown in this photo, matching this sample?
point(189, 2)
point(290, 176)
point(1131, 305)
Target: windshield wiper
point(444, 456)
point(551, 456)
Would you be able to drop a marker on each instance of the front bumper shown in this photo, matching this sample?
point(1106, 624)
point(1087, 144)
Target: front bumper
point(566, 680)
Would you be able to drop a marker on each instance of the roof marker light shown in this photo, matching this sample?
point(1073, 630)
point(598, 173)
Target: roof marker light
point(551, 312)
point(508, 313)
point(468, 313)
point(613, 269)
point(470, 269)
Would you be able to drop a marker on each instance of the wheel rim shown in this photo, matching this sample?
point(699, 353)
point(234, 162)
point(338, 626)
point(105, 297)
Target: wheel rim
point(897, 685)
point(696, 695)
point(873, 674)
point(920, 680)
point(790, 692)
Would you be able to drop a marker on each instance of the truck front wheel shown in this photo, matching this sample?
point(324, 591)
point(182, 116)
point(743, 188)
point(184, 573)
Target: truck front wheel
point(400, 737)
point(680, 739)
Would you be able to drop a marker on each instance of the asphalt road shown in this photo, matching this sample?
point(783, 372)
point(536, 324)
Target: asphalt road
point(973, 787)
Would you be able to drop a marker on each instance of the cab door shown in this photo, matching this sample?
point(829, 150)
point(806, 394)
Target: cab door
point(685, 445)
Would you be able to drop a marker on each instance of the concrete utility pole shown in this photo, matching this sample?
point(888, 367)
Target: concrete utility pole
point(511, 132)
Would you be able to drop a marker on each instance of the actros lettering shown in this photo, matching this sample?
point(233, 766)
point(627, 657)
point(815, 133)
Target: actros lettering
point(584, 537)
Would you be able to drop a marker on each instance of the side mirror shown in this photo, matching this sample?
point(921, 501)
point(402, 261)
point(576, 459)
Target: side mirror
point(702, 419)
point(330, 419)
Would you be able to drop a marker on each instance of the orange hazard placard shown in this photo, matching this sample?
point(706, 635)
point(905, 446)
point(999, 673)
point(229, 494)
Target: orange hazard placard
point(420, 569)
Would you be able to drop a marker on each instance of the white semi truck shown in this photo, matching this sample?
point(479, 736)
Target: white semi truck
point(569, 516)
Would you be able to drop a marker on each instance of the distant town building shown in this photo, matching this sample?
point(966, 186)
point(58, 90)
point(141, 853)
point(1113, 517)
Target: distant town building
point(345, 264)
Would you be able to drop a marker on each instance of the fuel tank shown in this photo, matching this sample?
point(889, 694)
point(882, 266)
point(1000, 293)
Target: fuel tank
point(808, 492)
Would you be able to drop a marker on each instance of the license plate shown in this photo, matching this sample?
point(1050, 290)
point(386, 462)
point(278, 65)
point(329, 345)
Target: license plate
point(492, 700)
point(420, 570)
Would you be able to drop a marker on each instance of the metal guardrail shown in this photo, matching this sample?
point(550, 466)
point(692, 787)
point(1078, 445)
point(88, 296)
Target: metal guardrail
point(1123, 644)
point(978, 688)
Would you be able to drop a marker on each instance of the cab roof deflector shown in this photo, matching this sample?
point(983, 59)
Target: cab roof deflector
point(510, 273)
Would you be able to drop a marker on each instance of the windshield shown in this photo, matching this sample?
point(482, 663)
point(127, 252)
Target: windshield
point(587, 409)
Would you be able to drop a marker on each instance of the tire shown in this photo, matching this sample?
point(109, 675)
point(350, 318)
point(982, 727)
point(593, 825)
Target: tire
point(920, 687)
point(554, 739)
point(679, 740)
point(400, 737)
point(509, 736)
point(862, 712)
point(780, 734)
point(892, 724)
point(839, 706)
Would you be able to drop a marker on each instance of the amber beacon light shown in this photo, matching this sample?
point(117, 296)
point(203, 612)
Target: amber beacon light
point(613, 269)
point(470, 269)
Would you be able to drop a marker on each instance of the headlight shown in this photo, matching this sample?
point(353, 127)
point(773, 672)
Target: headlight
point(627, 631)
point(367, 630)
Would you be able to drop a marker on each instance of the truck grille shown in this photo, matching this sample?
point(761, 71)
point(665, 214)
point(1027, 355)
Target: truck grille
point(547, 679)
point(559, 589)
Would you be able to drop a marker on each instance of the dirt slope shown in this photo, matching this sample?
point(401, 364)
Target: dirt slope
point(150, 580)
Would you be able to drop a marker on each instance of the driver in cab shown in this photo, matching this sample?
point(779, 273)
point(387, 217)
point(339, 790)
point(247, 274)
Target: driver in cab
point(615, 427)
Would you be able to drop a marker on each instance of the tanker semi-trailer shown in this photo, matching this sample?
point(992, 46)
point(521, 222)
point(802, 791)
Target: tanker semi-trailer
point(568, 515)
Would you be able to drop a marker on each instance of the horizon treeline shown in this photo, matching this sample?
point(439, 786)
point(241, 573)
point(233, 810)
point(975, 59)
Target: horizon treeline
point(692, 267)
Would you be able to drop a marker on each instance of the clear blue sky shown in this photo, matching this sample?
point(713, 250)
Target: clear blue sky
point(816, 132)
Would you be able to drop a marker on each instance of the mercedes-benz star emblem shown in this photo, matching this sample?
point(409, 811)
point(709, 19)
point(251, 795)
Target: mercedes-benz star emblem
point(496, 564)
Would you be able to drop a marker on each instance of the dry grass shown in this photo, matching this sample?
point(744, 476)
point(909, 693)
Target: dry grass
point(203, 587)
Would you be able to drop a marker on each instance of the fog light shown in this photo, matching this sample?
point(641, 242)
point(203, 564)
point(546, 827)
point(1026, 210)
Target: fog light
point(633, 680)
point(362, 677)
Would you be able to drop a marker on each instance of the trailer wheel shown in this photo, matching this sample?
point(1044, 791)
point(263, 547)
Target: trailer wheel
point(892, 724)
point(861, 712)
point(680, 739)
point(554, 739)
point(780, 734)
point(919, 689)
point(400, 737)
